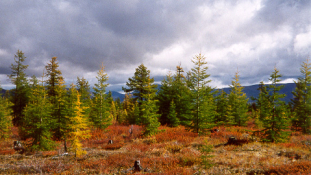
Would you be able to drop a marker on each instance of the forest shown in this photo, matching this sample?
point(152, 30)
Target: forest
point(183, 127)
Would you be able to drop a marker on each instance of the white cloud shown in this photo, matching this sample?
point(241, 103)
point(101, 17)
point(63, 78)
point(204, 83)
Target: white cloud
point(302, 44)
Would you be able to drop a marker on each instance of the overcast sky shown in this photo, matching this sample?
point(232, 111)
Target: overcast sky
point(252, 36)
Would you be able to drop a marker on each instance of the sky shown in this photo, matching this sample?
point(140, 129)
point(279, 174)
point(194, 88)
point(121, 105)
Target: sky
point(248, 36)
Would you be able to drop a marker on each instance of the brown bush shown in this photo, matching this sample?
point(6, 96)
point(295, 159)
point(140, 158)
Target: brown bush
point(7, 152)
point(303, 167)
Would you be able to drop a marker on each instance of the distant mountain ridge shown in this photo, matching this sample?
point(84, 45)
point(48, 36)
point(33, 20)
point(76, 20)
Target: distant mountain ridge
point(251, 91)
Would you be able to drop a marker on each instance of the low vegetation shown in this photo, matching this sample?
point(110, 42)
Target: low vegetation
point(171, 151)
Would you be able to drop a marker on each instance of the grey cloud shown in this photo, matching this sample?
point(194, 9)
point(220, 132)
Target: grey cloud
point(124, 34)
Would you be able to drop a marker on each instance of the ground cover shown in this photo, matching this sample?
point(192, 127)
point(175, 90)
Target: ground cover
point(171, 151)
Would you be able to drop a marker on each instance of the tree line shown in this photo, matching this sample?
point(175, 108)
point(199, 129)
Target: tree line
point(45, 110)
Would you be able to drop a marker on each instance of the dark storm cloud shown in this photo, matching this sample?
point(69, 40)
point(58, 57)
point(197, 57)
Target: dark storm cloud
point(251, 36)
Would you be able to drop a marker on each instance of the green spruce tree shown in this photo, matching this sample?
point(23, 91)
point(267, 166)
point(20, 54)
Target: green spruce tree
point(19, 97)
point(302, 99)
point(37, 120)
point(275, 120)
point(238, 102)
point(203, 103)
point(100, 107)
point(137, 86)
point(149, 117)
point(5, 117)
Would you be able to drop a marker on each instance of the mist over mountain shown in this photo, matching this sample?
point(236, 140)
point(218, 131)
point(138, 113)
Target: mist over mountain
point(251, 91)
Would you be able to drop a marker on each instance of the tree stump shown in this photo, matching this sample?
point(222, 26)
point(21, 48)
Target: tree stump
point(137, 166)
point(214, 130)
point(17, 146)
point(232, 140)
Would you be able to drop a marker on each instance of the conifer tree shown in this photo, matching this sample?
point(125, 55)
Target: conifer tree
point(182, 98)
point(238, 102)
point(54, 76)
point(37, 121)
point(302, 99)
point(130, 109)
point(5, 117)
point(100, 107)
point(202, 96)
point(275, 119)
point(19, 97)
point(84, 90)
point(149, 109)
point(78, 129)
point(56, 90)
point(172, 115)
point(223, 108)
point(165, 97)
point(137, 85)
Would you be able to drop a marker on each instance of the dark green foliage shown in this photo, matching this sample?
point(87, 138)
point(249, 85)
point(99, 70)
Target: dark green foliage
point(223, 109)
point(238, 103)
point(274, 114)
point(100, 107)
point(205, 157)
point(203, 103)
point(19, 97)
point(174, 88)
point(5, 117)
point(84, 90)
point(54, 76)
point(149, 117)
point(302, 100)
point(37, 121)
point(138, 85)
point(56, 91)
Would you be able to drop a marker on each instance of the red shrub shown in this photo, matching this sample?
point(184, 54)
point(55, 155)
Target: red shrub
point(303, 167)
point(139, 147)
point(49, 153)
point(114, 146)
point(179, 134)
point(7, 152)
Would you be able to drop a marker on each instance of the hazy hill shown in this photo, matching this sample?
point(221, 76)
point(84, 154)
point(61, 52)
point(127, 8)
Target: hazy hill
point(251, 91)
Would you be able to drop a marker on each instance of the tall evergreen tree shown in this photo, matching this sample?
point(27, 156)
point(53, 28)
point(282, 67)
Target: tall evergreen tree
point(37, 121)
point(302, 99)
point(238, 102)
point(54, 76)
point(84, 90)
point(174, 88)
point(5, 117)
point(276, 118)
point(137, 85)
point(19, 97)
point(165, 97)
point(100, 107)
point(149, 117)
point(130, 109)
point(223, 108)
point(202, 96)
point(78, 129)
point(56, 90)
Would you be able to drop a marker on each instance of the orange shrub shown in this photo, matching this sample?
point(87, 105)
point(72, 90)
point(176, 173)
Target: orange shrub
point(139, 147)
point(114, 146)
point(179, 134)
point(303, 167)
point(49, 153)
point(7, 152)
